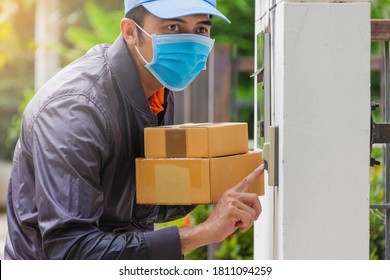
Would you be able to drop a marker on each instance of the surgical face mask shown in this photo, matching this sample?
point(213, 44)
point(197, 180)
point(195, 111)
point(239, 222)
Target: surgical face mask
point(177, 58)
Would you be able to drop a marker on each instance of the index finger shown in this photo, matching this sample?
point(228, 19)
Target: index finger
point(249, 180)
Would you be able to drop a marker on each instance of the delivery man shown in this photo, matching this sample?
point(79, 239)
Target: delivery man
point(72, 188)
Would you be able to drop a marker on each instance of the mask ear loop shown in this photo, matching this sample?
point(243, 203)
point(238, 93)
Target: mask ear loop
point(142, 57)
point(135, 46)
point(143, 30)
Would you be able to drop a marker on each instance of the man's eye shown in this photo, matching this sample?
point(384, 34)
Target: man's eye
point(174, 28)
point(203, 31)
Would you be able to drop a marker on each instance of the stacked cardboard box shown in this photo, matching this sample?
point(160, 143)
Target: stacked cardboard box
point(194, 163)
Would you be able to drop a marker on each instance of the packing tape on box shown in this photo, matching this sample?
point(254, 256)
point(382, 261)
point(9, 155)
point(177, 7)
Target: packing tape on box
point(167, 188)
point(175, 140)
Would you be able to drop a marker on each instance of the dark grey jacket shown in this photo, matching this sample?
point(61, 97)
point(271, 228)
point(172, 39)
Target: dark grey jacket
point(72, 189)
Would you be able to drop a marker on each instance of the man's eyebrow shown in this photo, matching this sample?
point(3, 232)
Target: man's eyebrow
point(204, 22)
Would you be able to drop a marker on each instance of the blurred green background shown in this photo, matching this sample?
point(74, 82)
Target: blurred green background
point(86, 23)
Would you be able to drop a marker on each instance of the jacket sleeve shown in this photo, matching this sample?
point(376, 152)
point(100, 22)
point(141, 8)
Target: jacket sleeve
point(69, 144)
point(168, 213)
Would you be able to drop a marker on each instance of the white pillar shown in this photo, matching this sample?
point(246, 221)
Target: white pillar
point(320, 100)
point(47, 34)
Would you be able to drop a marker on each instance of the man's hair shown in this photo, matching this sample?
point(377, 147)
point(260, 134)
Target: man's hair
point(138, 15)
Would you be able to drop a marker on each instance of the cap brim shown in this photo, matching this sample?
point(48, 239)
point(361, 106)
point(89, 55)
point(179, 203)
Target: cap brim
point(178, 8)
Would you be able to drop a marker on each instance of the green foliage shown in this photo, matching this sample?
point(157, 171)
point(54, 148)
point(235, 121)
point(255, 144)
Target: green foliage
point(103, 28)
point(238, 246)
point(14, 129)
point(240, 34)
point(380, 9)
point(241, 31)
point(377, 217)
point(16, 61)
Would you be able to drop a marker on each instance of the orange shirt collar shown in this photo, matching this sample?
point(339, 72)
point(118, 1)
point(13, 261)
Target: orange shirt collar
point(156, 101)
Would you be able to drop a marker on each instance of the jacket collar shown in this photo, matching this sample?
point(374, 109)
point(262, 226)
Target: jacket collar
point(125, 72)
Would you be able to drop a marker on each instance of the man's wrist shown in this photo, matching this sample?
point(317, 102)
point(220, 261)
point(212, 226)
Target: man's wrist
point(193, 237)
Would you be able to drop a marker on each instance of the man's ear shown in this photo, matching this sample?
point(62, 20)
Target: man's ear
point(129, 31)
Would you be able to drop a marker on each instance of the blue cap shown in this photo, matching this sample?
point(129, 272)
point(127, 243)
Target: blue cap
point(176, 8)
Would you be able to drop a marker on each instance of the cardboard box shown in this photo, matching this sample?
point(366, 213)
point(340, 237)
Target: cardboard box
point(196, 140)
point(193, 180)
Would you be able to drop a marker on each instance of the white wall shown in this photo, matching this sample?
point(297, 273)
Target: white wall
point(321, 101)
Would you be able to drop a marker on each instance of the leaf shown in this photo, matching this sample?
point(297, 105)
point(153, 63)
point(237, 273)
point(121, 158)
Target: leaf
point(105, 25)
point(82, 38)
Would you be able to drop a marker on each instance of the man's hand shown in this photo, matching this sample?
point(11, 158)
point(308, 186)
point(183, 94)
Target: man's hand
point(235, 210)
